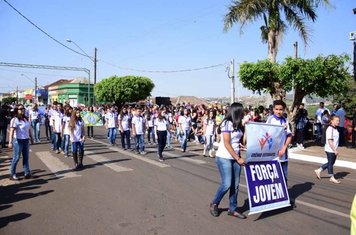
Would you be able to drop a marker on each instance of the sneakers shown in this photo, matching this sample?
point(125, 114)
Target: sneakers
point(300, 146)
point(317, 172)
point(236, 214)
point(28, 176)
point(143, 153)
point(58, 152)
point(214, 210)
point(335, 181)
point(14, 177)
point(161, 159)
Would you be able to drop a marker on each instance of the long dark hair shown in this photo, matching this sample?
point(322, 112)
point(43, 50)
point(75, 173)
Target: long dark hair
point(235, 115)
point(74, 119)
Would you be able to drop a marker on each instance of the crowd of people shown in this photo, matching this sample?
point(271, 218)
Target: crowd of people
point(160, 125)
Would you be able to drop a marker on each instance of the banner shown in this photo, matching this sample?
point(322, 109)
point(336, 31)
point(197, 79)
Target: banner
point(92, 118)
point(263, 141)
point(267, 189)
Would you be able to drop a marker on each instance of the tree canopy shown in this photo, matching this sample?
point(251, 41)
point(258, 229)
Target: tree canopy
point(123, 89)
point(321, 76)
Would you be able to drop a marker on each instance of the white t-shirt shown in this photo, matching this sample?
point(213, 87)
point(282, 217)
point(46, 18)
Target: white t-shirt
point(161, 125)
point(139, 124)
point(319, 112)
point(66, 121)
point(210, 126)
point(22, 128)
point(235, 137)
point(111, 118)
point(186, 122)
point(57, 121)
point(331, 134)
point(77, 134)
point(282, 122)
point(33, 115)
point(125, 122)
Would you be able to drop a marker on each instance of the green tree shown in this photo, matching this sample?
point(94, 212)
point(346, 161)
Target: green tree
point(8, 100)
point(277, 15)
point(321, 76)
point(123, 89)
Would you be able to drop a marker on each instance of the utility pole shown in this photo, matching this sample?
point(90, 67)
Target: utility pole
point(295, 49)
point(95, 61)
point(35, 90)
point(231, 69)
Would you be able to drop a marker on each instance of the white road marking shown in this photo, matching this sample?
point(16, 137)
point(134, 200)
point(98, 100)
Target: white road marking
point(321, 160)
point(133, 155)
point(106, 162)
point(196, 161)
point(56, 166)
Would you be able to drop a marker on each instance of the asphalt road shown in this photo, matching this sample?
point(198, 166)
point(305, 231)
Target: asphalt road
point(120, 192)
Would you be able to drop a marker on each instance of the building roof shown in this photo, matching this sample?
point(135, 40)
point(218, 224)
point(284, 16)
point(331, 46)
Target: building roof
point(81, 80)
point(58, 82)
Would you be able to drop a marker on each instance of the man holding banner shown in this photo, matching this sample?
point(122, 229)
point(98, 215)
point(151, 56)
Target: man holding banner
point(267, 162)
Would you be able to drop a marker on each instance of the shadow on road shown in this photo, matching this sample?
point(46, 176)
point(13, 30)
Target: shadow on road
point(14, 193)
point(294, 192)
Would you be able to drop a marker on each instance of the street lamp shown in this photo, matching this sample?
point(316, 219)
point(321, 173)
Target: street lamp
point(94, 60)
point(35, 82)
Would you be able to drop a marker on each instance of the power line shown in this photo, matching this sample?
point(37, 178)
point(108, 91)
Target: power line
point(60, 43)
point(166, 71)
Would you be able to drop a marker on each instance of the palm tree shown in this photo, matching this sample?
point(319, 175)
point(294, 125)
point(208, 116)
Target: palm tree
point(277, 16)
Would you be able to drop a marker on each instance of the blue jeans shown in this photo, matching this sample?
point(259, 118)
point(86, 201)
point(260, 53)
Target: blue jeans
point(168, 138)
point(230, 172)
point(330, 164)
point(112, 135)
point(151, 132)
point(20, 146)
point(284, 166)
point(57, 140)
point(77, 147)
point(184, 139)
point(65, 144)
point(125, 135)
point(35, 130)
point(140, 144)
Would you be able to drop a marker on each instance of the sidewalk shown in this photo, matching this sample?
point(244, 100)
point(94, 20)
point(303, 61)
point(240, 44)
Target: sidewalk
point(312, 153)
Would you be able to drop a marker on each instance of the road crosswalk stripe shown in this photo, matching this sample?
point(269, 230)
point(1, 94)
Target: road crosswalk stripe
point(56, 166)
point(106, 162)
point(133, 155)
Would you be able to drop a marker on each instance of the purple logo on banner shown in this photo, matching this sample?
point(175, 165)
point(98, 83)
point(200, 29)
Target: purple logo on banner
point(266, 184)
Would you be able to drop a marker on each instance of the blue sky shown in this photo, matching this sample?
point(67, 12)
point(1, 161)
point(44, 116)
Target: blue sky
point(151, 35)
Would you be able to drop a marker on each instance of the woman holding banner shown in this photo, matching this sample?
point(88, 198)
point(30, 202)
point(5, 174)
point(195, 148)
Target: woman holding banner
point(229, 161)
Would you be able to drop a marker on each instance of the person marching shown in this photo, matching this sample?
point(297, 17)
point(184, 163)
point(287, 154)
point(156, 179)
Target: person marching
point(35, 122)
point(209, 132)
point(185, 125)
point(20, 134)
point(331, 146)
point(66, 130)
point(77, 138)
point(90, 129)
point(229, 161)
point(111, 125)
point(124, 128)
point(138, 130)
point(161, 125)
